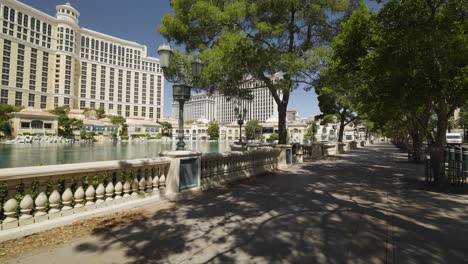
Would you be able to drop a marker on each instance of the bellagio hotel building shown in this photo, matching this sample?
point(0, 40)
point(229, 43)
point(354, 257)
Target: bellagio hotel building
point(51, 61)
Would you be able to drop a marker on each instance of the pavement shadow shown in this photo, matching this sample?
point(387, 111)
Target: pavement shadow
point(354, 208)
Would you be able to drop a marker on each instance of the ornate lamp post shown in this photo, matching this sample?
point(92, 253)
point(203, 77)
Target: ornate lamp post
point(182, 84)
point(240, 120)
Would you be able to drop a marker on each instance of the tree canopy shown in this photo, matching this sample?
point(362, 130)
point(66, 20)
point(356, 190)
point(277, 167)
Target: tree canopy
point(245, 40)
point(213, 130)
point(66, 125)
point(404, 68)
point(5, 110)
point(253, 130)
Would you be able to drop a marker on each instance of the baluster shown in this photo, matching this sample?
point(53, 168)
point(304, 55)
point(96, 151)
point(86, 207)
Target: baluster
point(41, 201)
point(90, 192)
point(142, 182)
point(156, 179)
point(127, 186)
point(162, 178)
point(118, 186)
point(79, 194)
point(9, 208)
point(203, 172)
point(135, 183)
point(100, 190)
point(26, 204)
point(149, 180)
point(54, 199)
point(110, 187)
point(67, 197)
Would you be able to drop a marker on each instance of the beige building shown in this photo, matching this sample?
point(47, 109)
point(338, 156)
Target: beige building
point(220, 108)
point(34, 122)
point(50, 61)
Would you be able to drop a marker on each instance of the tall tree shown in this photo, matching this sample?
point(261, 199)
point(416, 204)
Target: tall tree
point(422, 53)
point(336, 87)
point(241, 40)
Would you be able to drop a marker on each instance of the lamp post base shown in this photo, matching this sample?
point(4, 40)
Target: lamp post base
point(180, 145)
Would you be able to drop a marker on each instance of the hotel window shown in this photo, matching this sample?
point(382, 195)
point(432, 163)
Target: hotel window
point(18, 98)
point(135, 110)
point(25, 125)
point(127, 111)
point(103, 83)
point(31, 98)
point(66, 101)
point(19, 67)
point(128, 88)
point(143, 111)
point(43, 101)
point(6, 62)
point(101, 105)
point(119, 109)
point(151, 112)
point(82, 104)
point(92, 105)
point(4, 97)
point(56, 101)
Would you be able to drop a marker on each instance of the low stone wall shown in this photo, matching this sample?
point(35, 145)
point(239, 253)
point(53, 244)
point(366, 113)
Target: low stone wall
point(36, 194)
point(329, 150)
point(221, 168)
point(313, 151)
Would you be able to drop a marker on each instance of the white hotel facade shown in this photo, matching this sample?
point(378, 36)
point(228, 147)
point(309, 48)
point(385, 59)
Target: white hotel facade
point(220, 108)
point(49, 61)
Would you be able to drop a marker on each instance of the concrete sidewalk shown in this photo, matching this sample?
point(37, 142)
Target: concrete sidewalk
point(362, 207)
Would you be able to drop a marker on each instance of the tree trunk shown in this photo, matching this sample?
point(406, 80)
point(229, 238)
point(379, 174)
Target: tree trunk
point(417, 146)
point(416, 137)
point(282, 131)
point(341, 130)
point(438, 144)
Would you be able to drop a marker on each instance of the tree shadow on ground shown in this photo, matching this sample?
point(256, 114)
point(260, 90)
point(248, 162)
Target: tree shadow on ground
point(352, 209)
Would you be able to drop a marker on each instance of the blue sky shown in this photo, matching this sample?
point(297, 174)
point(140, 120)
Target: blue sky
point(137, 21)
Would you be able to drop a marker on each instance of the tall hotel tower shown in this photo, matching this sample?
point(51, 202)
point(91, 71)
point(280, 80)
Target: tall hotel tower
point(51, 61)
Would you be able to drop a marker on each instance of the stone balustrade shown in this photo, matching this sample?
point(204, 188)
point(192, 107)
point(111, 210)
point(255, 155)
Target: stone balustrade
point(35, 194)
point(221, 168)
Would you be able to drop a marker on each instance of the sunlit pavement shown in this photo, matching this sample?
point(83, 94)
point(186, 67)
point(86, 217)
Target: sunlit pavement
point(364, 207)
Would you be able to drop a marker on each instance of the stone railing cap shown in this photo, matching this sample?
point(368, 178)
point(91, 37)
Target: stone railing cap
point(76, 168)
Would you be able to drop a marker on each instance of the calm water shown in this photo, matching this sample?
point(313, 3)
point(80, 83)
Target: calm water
point(22, 155)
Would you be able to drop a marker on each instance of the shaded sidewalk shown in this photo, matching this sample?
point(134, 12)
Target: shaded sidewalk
point(362, 207)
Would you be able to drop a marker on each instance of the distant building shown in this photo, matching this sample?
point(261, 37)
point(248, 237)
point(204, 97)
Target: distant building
point(50, 61)
point(292, 115)
point(34, 122)
point(220, 108)
point(200, 106)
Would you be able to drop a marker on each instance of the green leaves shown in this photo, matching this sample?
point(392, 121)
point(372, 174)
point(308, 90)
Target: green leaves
point(213, 130)
point(253, 130)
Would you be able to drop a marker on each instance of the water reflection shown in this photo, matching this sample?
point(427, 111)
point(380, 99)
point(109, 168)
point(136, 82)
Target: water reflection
point(21, 155)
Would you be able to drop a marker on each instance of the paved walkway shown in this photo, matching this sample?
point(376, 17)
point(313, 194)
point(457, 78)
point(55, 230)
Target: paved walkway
point(363, 207)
